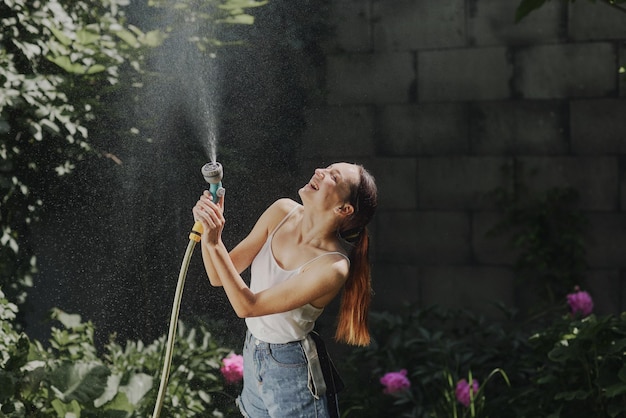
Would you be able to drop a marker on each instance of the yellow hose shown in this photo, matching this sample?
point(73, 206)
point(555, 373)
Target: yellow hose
point(194, 238)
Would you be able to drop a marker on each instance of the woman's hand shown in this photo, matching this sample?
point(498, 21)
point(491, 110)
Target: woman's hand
point(211, 216)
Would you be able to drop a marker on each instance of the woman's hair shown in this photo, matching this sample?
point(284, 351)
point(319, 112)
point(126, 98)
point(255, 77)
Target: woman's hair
point(352, 326)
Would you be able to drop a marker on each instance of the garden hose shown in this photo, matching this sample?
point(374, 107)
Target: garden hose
point(194, 238)
point(212, 173)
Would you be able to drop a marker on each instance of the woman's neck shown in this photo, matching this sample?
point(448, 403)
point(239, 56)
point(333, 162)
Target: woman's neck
point(317, 229)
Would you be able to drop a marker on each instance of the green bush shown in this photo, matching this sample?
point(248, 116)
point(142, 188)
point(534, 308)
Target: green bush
point(437, 347)
point(578, 369)
point(70, 377)
point(570, 366)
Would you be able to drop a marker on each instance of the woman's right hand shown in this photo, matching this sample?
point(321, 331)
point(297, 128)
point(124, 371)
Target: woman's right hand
point(211, 216)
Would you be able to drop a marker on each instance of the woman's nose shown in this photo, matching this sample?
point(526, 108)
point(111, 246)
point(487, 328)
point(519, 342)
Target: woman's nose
point(319, 172)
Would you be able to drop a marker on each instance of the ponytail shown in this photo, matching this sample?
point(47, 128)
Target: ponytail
point(352, 325)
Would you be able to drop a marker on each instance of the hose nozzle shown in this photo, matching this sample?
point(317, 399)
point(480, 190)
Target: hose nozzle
point(213, 174)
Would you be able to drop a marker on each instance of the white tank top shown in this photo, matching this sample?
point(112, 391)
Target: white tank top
point(282, 327)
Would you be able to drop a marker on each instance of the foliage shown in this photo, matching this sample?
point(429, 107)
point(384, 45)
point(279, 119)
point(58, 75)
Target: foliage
point(438, 347)
point(58, 61)
point(68, 70)
point(528, 6)
point(573, 367)
point(200, 20)
point(579, 369)
point(548, 231)
point(70, 377)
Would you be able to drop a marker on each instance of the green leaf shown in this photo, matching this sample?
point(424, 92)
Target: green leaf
point(113, 384)
point(51, 126)
point(61, 37)
point(120, 403)
point(241, 4)
point(544, 380)
point(137, 387)
point(7, 386)
point(571, 395)
point(615, 390)
point(98, 68)
point(242, 19)
point(614, 409)
point(86, 37)
point(19, 354)
point(153, 38)
point(65, 410)
point(617, 347)
point(128, 37)
point(65, 63)
point(84, 382)
point(69, 321)
point(561, 354)
point(4, 126)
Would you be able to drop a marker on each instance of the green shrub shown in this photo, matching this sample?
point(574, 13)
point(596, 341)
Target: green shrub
point(70, 377)
point(579, 369)
point(573, 366)
point(438, 347)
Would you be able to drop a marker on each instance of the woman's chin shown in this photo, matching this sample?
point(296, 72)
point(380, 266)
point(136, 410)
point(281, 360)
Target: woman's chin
point(304, 192)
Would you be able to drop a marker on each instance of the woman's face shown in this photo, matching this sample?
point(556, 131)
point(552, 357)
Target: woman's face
point(330, 186)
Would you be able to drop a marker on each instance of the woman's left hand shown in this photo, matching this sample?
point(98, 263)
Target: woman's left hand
point(211, 216)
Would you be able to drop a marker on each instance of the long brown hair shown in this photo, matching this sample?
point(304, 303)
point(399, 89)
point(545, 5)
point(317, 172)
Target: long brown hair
point(352, 325)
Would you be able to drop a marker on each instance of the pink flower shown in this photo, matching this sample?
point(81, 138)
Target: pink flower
point(395, 381)
point(462, 391)
point(580, 302)
point(232, 370)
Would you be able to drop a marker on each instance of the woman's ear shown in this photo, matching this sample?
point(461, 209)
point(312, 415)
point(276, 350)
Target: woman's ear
point(346, 209)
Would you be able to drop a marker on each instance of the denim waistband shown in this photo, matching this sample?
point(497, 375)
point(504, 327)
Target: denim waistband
point(317, 385)
point(260, 344)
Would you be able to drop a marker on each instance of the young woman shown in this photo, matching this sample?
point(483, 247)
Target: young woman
point(301, 257)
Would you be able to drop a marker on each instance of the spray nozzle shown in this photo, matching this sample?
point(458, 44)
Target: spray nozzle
point(213, 174)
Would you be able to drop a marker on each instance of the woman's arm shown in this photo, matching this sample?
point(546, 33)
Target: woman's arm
point(318, 284)
point(243, 254)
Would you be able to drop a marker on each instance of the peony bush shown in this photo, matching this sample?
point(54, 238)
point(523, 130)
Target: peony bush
point(580, 302)
point(466, 392)
point(395, 382)
point(422, 363)
point(570, 365)
point(232, 368)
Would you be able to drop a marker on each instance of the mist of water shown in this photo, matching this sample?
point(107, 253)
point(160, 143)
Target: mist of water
point(195, 90)
point(209, 125)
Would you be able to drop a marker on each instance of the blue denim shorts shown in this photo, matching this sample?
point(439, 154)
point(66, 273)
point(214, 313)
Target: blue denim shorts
point(276, 382)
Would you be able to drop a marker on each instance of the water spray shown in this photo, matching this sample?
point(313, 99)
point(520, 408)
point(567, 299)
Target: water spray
point(213, 174)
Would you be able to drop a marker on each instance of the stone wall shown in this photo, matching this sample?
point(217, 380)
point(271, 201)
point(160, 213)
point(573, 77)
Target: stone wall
point(436, 96)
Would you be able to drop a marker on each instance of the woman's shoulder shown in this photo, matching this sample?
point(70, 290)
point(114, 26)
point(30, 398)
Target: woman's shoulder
point(283, 206)
point(277, 211)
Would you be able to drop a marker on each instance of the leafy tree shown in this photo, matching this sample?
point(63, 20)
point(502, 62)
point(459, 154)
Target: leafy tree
point(62, 63)
point(57, 60)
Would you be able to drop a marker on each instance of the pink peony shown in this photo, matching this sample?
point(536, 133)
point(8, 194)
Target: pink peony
point(395, 381)
point(232, 370)
point(462, 391)
point(580, 302)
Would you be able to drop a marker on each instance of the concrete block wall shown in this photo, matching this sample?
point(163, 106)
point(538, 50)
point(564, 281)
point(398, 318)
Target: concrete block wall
point(435, 97)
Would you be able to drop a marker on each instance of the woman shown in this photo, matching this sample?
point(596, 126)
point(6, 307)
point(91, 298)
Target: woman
point(301, 256)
